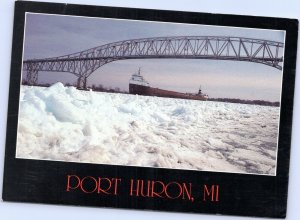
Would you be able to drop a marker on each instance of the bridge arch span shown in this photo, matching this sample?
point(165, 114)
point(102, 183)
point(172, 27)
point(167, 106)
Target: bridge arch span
point(83, 64)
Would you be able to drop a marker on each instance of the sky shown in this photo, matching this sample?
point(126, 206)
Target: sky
point(53, 35)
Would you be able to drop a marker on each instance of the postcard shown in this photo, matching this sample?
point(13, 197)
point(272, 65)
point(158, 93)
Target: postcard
point(147, 109)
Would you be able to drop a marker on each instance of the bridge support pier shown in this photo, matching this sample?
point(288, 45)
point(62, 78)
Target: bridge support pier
point(32, 77)
point(81, 82)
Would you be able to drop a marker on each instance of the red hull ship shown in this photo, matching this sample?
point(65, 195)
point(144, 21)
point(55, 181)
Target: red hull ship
point(138, 85)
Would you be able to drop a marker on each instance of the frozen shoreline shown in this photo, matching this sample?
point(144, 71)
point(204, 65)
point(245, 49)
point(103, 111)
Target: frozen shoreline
point(65, 124)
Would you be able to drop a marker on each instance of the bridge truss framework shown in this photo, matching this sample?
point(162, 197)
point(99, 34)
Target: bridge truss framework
point(84, 63)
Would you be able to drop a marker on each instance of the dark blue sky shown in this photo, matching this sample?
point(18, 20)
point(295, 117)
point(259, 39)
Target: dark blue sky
point(52, 35)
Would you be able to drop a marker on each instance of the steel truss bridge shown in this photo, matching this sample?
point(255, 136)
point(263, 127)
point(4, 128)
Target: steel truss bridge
point(84, 63)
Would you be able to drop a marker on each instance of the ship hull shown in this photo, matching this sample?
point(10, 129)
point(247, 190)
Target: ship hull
point(149, 91)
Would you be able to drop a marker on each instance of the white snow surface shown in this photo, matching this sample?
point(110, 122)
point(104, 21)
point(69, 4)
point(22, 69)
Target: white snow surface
point(66, 124)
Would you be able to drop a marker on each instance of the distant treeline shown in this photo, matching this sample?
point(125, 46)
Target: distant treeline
point(101, 88)
point(24, 82)
point(252, 102)
point(98, 88)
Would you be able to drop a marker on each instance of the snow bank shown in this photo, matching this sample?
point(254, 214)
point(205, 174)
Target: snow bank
point(63, 123)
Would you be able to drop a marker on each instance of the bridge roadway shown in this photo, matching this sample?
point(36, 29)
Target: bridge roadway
point(84, 63)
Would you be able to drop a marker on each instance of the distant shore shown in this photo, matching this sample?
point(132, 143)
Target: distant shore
point(241, 101)
point(101, 88)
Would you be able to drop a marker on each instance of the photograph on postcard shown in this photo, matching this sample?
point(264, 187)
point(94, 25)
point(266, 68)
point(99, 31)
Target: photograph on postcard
point(150, 94)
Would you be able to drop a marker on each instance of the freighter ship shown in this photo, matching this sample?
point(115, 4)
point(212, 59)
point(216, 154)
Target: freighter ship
point(138, 85)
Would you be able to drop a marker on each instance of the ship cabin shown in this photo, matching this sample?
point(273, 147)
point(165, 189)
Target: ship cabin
point(138, 79)
point(202, 94)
